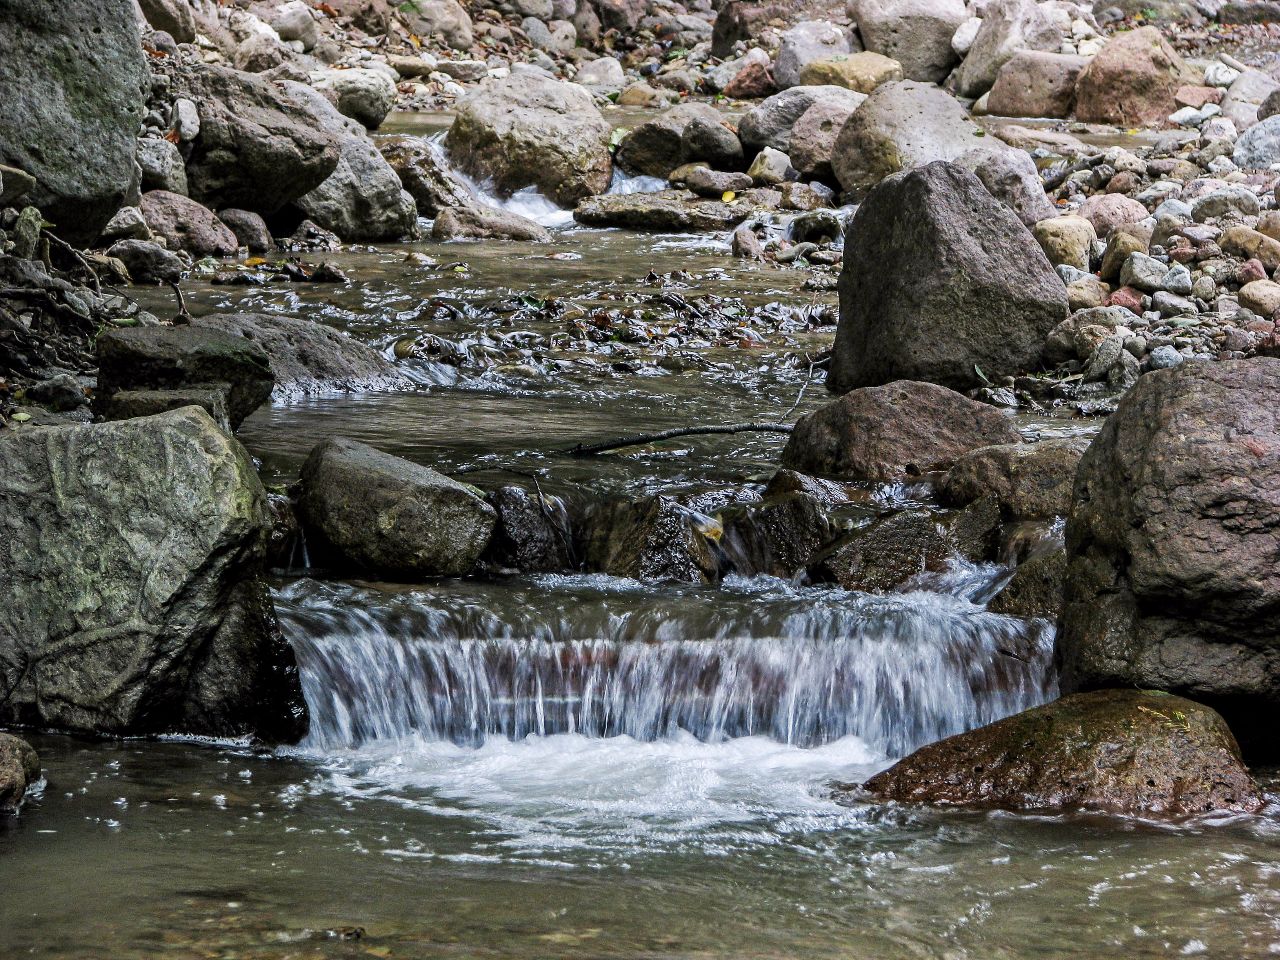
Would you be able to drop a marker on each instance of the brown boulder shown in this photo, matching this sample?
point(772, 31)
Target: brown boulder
point(1132, 81)
point(1030, 480)
point(1033, 83)
point(19, 768)
point(186, 225)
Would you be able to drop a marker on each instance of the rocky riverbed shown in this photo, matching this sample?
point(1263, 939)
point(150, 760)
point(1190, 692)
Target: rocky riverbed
point(633, 446)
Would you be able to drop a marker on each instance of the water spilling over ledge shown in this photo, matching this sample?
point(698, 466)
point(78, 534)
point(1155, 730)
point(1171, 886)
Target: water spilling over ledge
point(604, 657)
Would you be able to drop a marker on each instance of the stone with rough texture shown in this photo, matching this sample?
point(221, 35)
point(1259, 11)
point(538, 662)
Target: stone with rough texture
point(856, 71)
point(480, 222)
point(1036, 83)
point(813, 139)
point(131, 591)
point(940, 279)
point(671, 211)
point(425, 174)
point(807, 41)
point(656, 147)
point(1106, 211)
point(73, 77)
point(1012, 178)
point(891, 432)
point(526, 130)
point(388, 515)
point(446, 19)
point(711, 140)
point(1008, 26)
point(1259, 146)
point(147, 261)
point(19, 768)
point(769, 123)
point(174, 17)
point(885, 554)
point(162, 166)
point(916, 33)
point(901, 126)
point(1066, 240)
point(654, 539)
point(186, 225)
point(1035, 589)
point(250, 229)
point(365, 96)
point(1031, 481)
point(1174, 577)
point(776, 537)
point(1131, 752)
point(1132, 81)
point(533, 533)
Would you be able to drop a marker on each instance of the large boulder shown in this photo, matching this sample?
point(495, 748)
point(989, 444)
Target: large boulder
point(1129, 752)
point(902, 125)
point(1036, 83)
point(258, 148)
point(74, 78)
point(940, 279)
point(1259, 146)
point(769, 123)
point(364, 95)
point(19, 768)
point(174, 358)
point(131, 591)
point(423, 172)
point(893, 432)
point(916, 33)
point(527, 130)
point(807, 41)
point(174, 17)
point(186, 225)
point(362, 199)
point(1029, 480)
point(1174, 578)
point(656, 147)
point(813, 138)
point(387, 515)
point(446, 19)
point(1131, 82)
point(307, 358)
point(1007, 27)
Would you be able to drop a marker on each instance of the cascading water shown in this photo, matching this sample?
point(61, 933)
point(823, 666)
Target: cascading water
point(602, 657)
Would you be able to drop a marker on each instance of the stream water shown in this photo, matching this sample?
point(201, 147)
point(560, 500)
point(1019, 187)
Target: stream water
point(584, 766)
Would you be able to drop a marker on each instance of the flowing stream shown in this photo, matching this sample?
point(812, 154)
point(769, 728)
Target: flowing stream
point(586, 766)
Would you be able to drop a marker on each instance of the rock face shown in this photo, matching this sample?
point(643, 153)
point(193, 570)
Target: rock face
point(891, 432)
point(258, 149)
point(526, 130)
point(19, 768)
point(1131, 752)
point(168, 358)
point(74, 79)
point(388, 515)
point(916, 33)
point(307, 358)
point(1132, 81)
point(131, 598)
point(1174, 581)
point(1029, 480)
point(938, 279)
point(902, 125)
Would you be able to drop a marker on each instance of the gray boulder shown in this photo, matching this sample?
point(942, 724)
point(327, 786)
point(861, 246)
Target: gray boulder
point(1172, 576)
point(807, 41)
point(916, 33)
point(1007, 27)
point(939, 280)
point(162, 166)
point(74, 80)
point(446, 19)
point(388, 515)
point(813, 139)
point(364, 95)
point(528, 130)
point(1259, 146)
point(147, 261)
point(186, 225)
point(131, 591)
point(902, 125)
point(423, 172)
point(478, 221)
point(656, 147)
point(19, 768)
point(1011, 177)
point(174, 17)
point(769, 123)
point(1030, 481)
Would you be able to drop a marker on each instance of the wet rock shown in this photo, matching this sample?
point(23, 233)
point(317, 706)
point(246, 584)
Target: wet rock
point(186, 225)
point(902, 429)
point(1036, 83)
point(711, 141)
point(916, 33)
point(1035, 590)
point(777, 537)
point(75, 77)
point(903, 316)
point(901, 126)
point(147, 262)
point(1029, 480)
point(1171, 544)
point(390, 516)
point(1133, 80)
point(656, 147)
point(807, 41)
point(250, 230)
point(1008, 26)
point(862, 72)
point(162, 166)
point(884, 555)
point(307, 358)
point(527, 130)
point(669, 211)
point(769, 123)
point(533, 533)
point(656, 539)
point(1132, 752)
point(365, 96)
point(169, 358)
point(480, 222)
point(132, 597)
point(362, 198)
point(19, 768)
point(130, 404)
point(745, 243)
point(424, 173)
point(446, 19)
point(813, 139)
point(259, 147)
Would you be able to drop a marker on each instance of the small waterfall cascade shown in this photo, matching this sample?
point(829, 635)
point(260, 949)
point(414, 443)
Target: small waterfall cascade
point(603, 657)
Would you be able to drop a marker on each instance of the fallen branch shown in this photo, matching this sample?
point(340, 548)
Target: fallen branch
point(587, 450)
point(78, 257)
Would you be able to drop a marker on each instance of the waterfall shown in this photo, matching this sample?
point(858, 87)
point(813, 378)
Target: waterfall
point(602, 657)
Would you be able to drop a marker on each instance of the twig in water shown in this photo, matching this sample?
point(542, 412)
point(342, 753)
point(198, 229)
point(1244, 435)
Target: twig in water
point(808, 378)
point(587, 450)
point(183, 315)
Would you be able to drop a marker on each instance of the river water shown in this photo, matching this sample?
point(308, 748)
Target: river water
point(585, 766)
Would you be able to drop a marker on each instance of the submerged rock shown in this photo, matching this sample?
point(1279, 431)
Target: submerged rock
point(131, 598)
point(892, 432)
point(388, 515)
point(1174, 578)
point(19, 768)
point(940, 281)
point(1131, 752)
